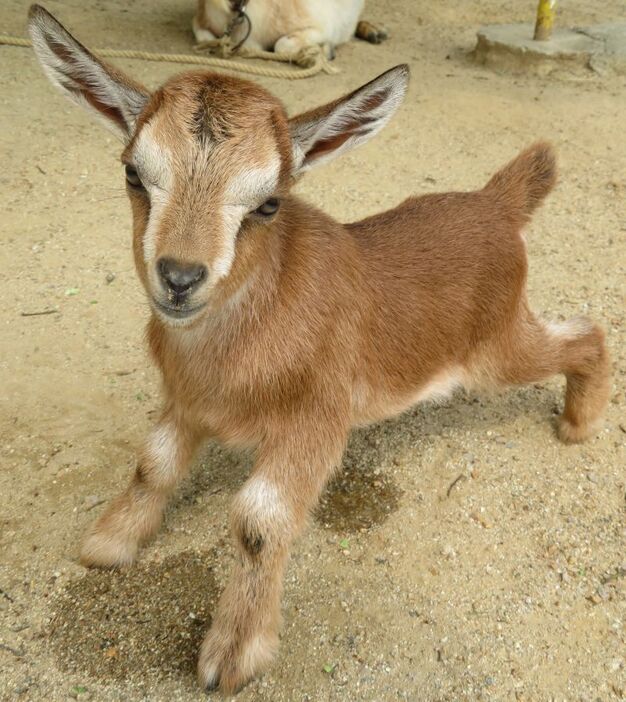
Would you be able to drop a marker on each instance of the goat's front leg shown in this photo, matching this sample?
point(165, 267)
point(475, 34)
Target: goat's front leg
point(267, 514)
point(134, 516)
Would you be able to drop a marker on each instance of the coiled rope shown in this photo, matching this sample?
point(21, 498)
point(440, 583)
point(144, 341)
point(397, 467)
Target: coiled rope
point(310, 61)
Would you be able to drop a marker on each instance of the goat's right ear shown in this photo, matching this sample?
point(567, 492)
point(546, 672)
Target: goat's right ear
point(82, 77)
point(322, 134)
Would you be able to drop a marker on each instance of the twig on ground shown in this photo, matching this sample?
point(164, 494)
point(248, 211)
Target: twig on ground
point(455, 482)
point(38, 314)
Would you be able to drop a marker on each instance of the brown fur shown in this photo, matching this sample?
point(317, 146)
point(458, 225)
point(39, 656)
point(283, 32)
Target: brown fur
point(318, 326)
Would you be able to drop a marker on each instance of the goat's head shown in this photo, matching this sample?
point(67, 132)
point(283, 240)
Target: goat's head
point(208, 159)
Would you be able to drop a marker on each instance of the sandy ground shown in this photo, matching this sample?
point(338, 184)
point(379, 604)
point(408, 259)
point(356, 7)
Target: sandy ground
point(509, 585)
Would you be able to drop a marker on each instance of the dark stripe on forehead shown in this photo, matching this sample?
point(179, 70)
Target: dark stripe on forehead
point(200, 125)
point(207, 121)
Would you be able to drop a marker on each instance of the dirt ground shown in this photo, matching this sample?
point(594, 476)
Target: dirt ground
point(463, 553)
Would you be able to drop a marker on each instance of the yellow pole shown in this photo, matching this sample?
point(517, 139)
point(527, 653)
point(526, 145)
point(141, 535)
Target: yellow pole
point(545, 19)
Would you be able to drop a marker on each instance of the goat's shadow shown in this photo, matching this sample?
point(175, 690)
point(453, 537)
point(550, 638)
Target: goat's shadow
point(139, 623)
point(364, 492)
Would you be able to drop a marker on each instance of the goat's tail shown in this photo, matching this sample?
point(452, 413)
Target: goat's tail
point(523, 183)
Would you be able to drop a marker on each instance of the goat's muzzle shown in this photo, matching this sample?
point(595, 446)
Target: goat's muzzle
point(179, 280)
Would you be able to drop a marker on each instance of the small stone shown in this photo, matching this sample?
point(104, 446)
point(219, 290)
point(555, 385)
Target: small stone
point(23, 686)
point(449, 552)
point(482, 520)
point(603, 593)
point(110, 277)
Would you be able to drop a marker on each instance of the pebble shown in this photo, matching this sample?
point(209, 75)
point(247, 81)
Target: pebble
point(482, 520)
point(449, 552)
point(603, 593)
point(23, 687)
point(110, 277)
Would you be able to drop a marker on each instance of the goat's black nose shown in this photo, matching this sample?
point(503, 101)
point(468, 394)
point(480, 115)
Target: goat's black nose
point(180, 277)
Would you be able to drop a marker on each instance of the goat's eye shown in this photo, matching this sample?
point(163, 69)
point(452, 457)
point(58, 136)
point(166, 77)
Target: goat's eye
point(269, 207)
point(132, 177)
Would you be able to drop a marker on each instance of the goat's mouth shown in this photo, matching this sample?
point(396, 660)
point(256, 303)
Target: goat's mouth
point(176, 313)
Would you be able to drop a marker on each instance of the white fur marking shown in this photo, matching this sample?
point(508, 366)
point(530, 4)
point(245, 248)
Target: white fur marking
point(163, 450)
point(254, 184)
point(249, 188)
point(232, 216)
point(257, 653)
point(441, 387)
point(260, 498)
point(570, 329)
point(154, 165)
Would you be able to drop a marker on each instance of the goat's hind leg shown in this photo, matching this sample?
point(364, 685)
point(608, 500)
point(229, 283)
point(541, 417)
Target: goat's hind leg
point(135, 515)
point(537, 350)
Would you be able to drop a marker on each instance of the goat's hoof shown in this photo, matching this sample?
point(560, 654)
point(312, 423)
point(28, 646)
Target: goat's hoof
point(372, 33)
point(225, 665)
point(105, 550)
point(570, 433)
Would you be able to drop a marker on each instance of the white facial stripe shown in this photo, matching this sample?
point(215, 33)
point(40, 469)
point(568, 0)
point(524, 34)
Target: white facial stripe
point(154, 165)
point(254, 185)
point(246, 190)
point(232, 216)
point(153, 160)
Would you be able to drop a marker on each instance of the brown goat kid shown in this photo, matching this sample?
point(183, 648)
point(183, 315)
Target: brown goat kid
point(277, 328)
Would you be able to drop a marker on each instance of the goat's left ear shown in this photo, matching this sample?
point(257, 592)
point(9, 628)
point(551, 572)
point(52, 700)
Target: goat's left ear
point(323, 133)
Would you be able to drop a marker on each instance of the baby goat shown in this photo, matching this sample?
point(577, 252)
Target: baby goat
point(277, 328)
